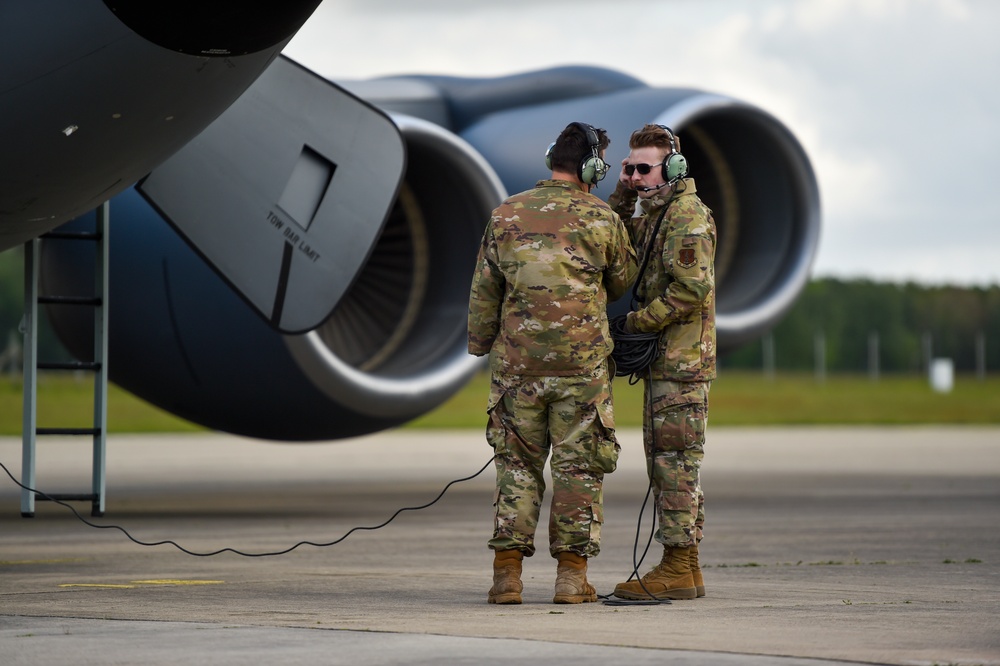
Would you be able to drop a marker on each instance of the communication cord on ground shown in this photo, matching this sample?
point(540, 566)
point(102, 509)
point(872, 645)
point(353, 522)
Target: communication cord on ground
point(234, 550)
point(607, 599)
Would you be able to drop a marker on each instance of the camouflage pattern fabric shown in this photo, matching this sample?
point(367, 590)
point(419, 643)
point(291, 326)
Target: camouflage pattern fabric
point(676, 298)
point(550, 260)
point(571, 417)
point(674, 440)
point(677, 289)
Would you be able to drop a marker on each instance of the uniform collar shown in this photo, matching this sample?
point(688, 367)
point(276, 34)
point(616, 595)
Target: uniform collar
point(560, 183)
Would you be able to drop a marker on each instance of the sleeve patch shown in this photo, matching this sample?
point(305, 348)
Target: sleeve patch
point(686, 258)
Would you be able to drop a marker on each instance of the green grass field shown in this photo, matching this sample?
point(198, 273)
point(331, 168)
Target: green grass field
point(748, 398)
point(65, 401)
point(738, 398)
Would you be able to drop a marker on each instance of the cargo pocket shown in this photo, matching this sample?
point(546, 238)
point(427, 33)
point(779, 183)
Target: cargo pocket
point(679, 419)
point(501, 431)
point(606, 448)
point(496, 429)
point(496, 437)
point(597, 521)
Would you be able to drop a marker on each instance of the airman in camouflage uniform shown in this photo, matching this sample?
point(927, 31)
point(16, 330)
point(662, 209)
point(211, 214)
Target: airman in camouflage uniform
point(677, 299)
point(550, 260)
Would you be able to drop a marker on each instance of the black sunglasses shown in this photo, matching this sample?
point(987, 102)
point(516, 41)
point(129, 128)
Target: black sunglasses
point(643, 169)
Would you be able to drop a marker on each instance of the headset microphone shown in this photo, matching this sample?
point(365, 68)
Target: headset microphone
point(650, 189)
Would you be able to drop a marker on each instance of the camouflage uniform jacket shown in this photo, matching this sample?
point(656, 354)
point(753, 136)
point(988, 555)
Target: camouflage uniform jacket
point(677, 289)
point(550, 259)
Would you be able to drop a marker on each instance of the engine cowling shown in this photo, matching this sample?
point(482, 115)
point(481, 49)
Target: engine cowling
point(748, 167)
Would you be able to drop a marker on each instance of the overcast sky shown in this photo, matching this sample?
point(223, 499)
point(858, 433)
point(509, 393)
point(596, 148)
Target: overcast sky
point(897, 102)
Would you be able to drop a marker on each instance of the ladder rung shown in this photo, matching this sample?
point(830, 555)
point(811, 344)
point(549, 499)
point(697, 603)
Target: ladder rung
point(67, 431)
point(70, 300)
point(70, 365)
point(73, 235)
point(67, 497)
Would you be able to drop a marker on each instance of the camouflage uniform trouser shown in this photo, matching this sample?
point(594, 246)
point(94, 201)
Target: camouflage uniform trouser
point(571, 416)
point(675, 447)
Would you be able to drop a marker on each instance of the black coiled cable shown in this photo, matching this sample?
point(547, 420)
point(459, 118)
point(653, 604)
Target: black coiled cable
point(633, 352)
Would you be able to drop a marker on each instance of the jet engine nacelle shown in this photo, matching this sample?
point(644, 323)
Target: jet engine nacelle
point(394, 348)
point(749, 168)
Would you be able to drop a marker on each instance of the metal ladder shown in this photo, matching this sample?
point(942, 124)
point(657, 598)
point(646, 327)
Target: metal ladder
point(30, 431)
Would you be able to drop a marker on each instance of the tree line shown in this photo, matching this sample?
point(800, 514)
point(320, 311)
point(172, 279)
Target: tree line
point(910, 324)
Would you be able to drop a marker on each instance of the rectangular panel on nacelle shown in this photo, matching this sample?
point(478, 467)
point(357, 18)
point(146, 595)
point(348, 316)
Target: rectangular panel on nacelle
point(286, 193)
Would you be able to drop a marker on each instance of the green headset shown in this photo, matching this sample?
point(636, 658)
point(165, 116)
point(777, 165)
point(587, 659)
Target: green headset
point(591, 169)
point(675, 166)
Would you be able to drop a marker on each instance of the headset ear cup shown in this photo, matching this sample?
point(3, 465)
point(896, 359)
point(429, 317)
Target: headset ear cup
point(587, 170)
point(675, 168)
point(592, 170)
point(548, 156)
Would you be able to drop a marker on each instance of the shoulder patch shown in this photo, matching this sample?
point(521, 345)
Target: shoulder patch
point(686, 258)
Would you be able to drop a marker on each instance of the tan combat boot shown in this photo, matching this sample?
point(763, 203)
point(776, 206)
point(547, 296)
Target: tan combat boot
point(699, 582)
point(571, 580)
point(507, 585)
point(671, 579)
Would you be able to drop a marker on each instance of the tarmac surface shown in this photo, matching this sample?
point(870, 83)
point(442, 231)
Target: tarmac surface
point(823, 546)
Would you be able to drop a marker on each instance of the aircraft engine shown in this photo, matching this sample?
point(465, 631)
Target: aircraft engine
point(748, 167)
point(394, 347)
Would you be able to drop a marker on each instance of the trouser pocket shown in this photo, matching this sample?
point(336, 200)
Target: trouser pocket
point(606, 447)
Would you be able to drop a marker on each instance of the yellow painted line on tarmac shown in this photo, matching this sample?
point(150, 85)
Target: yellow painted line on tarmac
point(139, 583)
point(175, 581)
point(5, 563)
point(114, 586)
